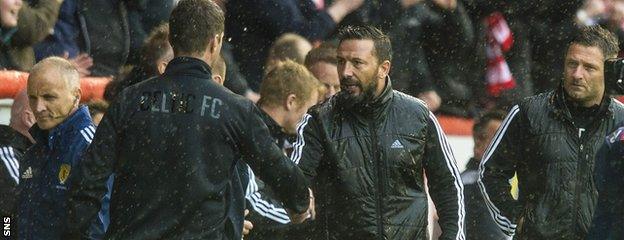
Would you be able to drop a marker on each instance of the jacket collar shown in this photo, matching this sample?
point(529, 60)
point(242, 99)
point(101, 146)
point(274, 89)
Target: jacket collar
point(76, 120)
point(189, 66)
point(275, 129)
point(562, 110)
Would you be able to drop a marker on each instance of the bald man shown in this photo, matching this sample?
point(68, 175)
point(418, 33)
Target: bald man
point(62, 132)
point(14, 140)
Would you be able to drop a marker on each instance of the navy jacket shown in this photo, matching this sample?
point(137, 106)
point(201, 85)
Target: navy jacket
point(609, 175)
point(45, 176)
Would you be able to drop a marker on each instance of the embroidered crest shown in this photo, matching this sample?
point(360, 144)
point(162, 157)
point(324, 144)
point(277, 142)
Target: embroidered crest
point(64, 173)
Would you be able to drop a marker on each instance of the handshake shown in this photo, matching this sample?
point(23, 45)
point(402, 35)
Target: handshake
point(295, 218)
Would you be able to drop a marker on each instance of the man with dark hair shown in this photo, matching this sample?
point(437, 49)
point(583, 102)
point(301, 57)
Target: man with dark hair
point(322, 62)
point(173, 141)
point(479, 224)
point(368, 148)
point(550, 141)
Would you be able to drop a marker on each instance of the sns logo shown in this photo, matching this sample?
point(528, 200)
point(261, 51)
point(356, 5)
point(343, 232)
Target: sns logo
point(6, 226)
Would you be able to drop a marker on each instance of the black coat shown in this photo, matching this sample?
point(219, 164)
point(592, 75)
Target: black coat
point(173, 142)
point(553, 157)
point(369, 162)
point(609, 174)
point(12, 148)
point(479, 223)
point(431, 45)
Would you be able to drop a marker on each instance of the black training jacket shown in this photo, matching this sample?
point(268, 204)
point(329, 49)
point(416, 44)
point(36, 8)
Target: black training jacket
point(554, 161)
point(369, 164)
point(173, 143)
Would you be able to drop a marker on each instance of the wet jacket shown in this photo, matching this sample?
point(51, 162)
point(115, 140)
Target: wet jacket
point(173, 143)
point(269, 217)
point(609, 174)
point(369, 162)
point(554, 160)
point(12, 148)
point(479, 223)
point(46, 173)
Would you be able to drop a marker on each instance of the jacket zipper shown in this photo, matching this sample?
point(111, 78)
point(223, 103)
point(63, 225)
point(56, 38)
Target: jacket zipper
point(380, 188)
point(580, 168)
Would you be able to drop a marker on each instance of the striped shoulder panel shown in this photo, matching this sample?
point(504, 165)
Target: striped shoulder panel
point(503, 222)
point(451, 164)
point(7, 155)
point(88, 133)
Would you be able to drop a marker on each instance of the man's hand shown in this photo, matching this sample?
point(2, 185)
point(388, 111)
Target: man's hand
point(432, 99)
point(340, 8)
point(82, 62)
point(405, 4)
point(247, 225)
point(297, 218)
point(448, 5)
point(253, 96)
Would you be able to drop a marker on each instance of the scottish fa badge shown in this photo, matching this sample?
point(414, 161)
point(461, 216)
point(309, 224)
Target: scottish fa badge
point(64, 173)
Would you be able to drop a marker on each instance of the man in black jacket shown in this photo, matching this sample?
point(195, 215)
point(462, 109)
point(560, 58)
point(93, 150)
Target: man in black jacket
point(609, 173)
point(550, 141)
point(368, 148)
point(479, 224)
point(173, 143)
point(14, 140)
point(287, 92)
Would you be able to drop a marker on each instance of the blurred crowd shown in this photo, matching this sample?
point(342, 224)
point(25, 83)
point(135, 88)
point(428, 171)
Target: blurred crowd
point(465, 58)
point(462, 57)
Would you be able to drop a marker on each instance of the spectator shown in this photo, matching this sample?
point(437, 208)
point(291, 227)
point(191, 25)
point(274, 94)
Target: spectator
point(182, 115)
point(322, 63)
point(609, 175)
point(288, 46)
point(34, 24)
point(91, 29)
point(9, 10)
point(14, 140)
point(287, 92)
point(237, 82)
point(479, 223)
point(97, 109)
point(432, 41)
point(252, 27)
point(143, 17)
point(156, 53)
point(550, 141)
point(63, 132)
point(360, 153)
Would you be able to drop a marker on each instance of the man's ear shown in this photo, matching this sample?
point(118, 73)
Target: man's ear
point(383, 70)
point(215, 44)
point(290, 103)
point(162, 65)
point(218, 79)
point(77, 95)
